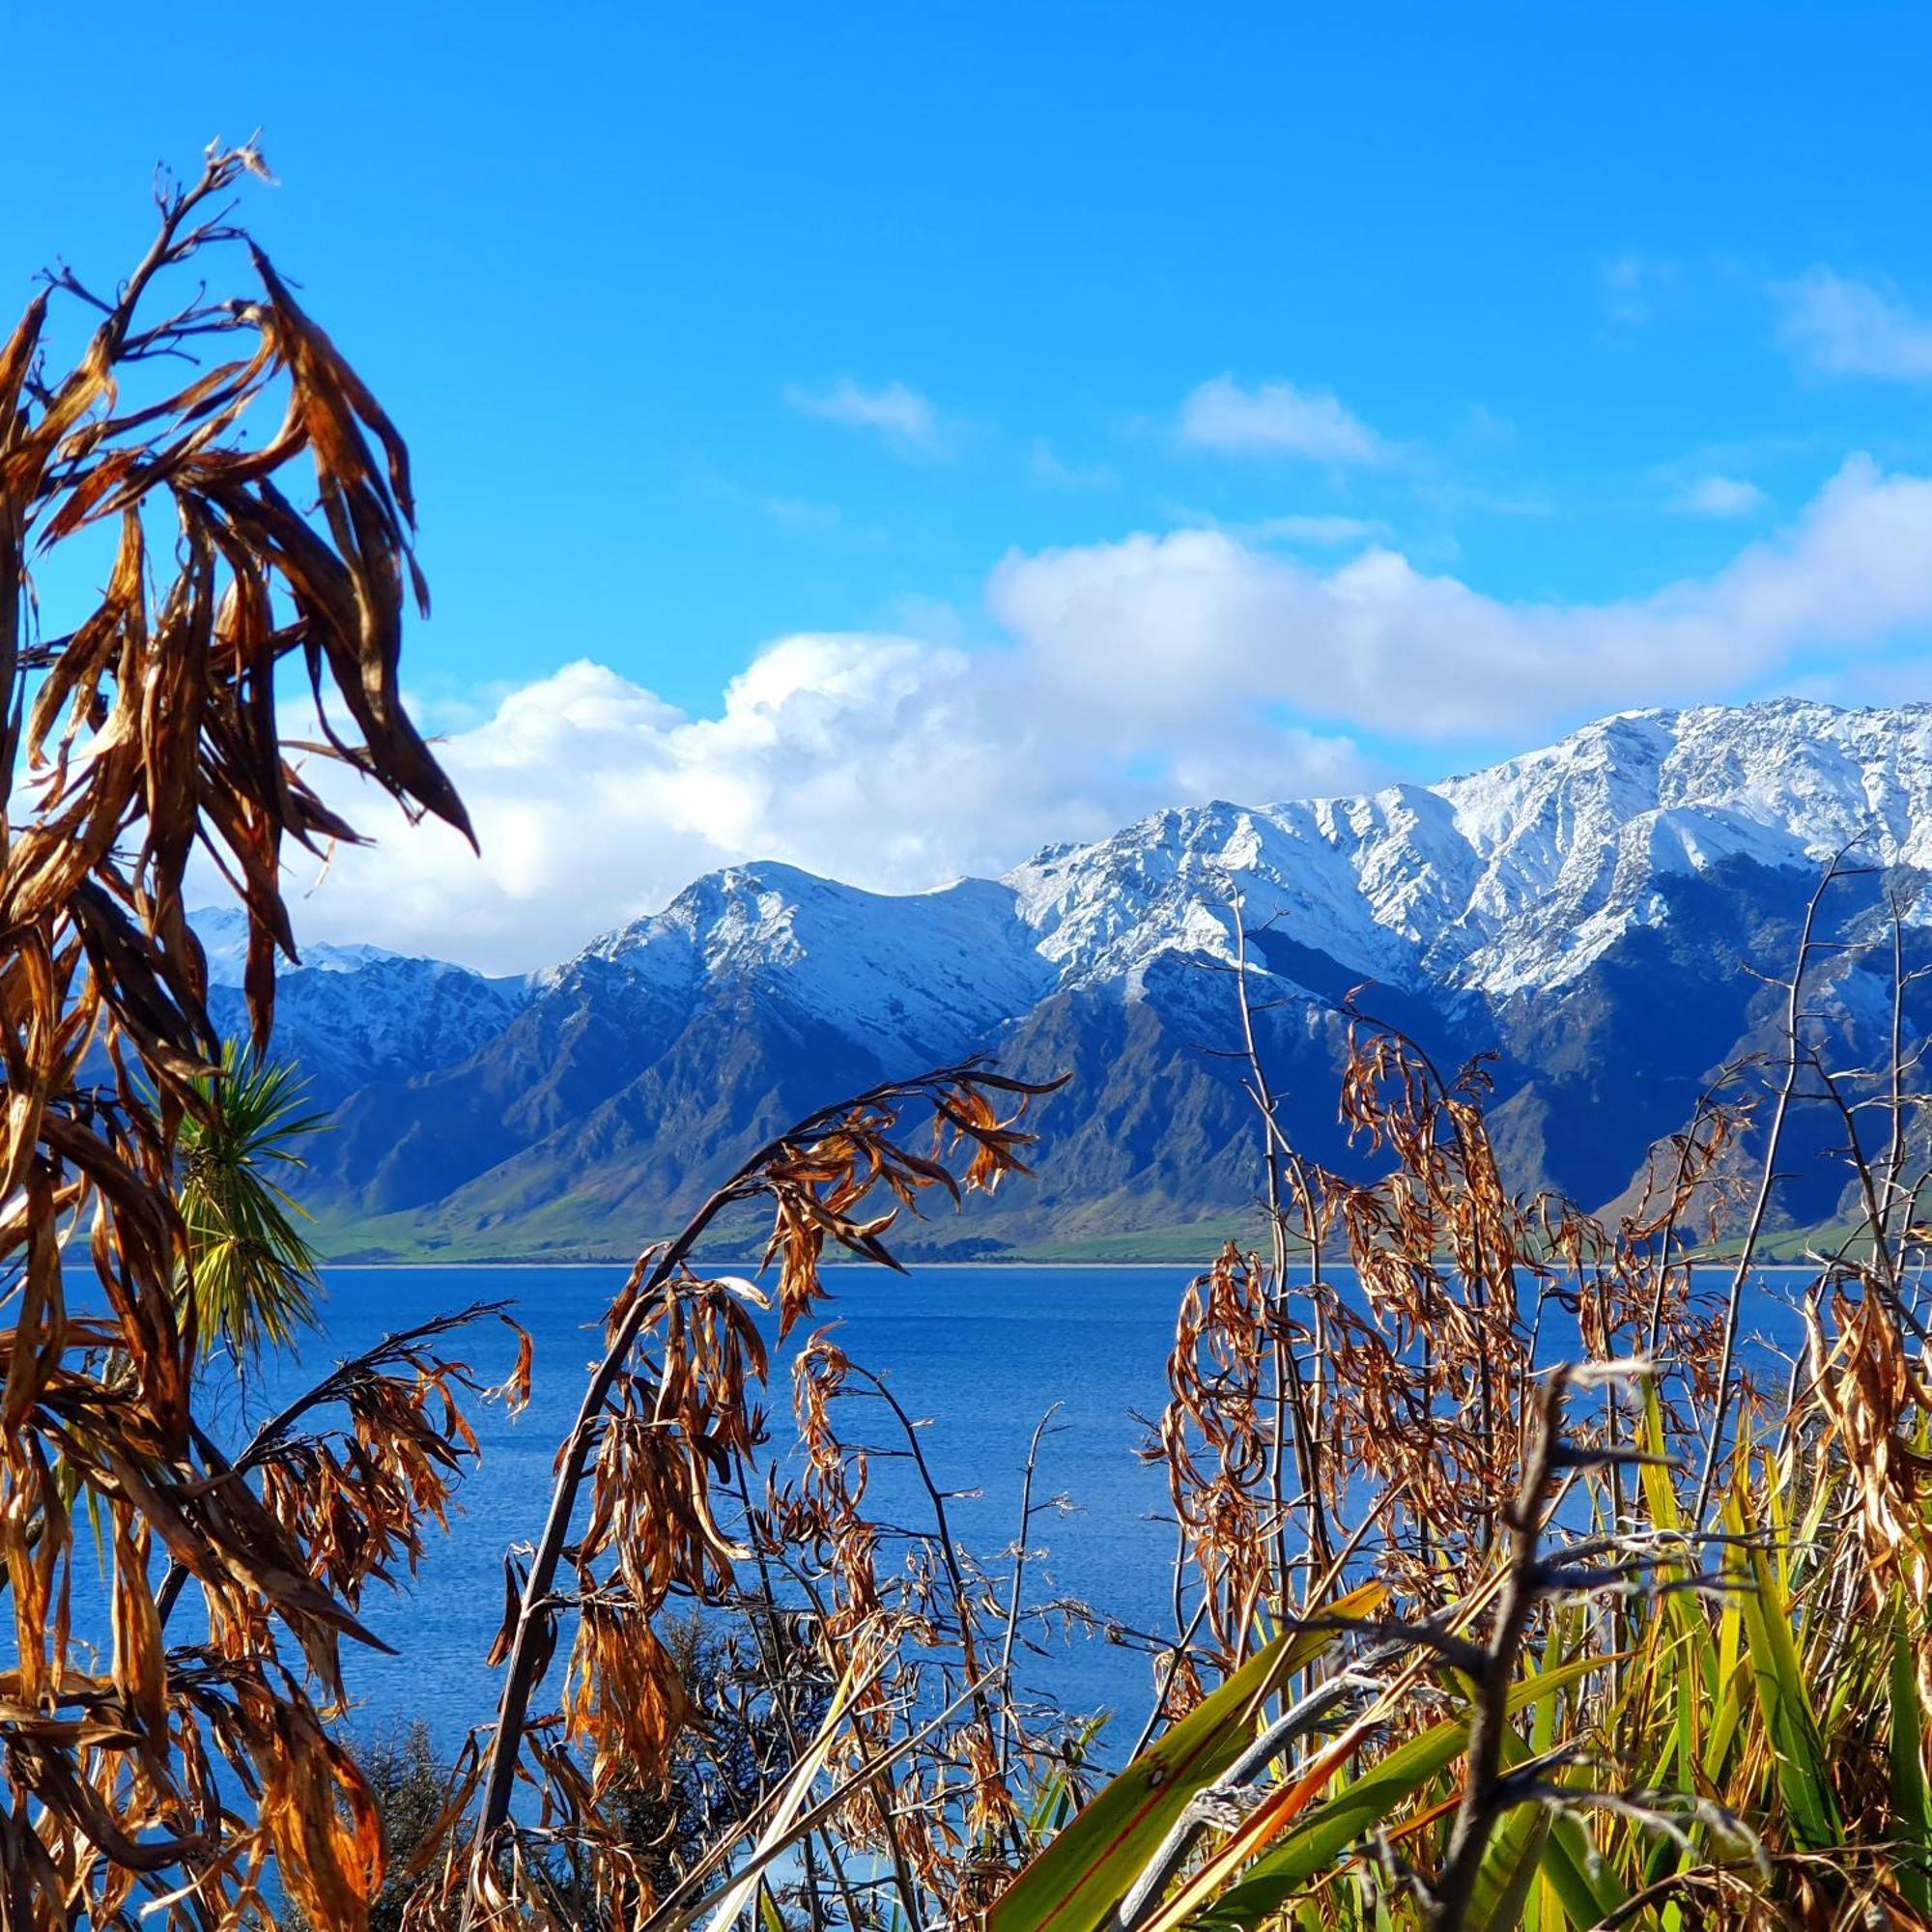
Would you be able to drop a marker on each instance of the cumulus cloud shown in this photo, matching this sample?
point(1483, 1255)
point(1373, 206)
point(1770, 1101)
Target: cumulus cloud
point(889, 761)
point(1153, 670)
point(905, 419)
point(1851, 328)
point(1718, 497)
point(1277, 418)
point(1378, 643)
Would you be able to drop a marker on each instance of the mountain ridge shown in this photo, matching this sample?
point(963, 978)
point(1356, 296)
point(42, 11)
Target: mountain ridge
point(1584, 912)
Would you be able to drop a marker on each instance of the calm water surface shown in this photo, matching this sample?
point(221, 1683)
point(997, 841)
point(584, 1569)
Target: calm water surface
point(982, 1352)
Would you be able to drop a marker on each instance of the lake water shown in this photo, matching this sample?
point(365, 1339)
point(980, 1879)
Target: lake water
point(983, 1352)
point(980, 1353)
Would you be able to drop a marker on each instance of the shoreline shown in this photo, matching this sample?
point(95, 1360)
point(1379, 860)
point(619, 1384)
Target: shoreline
point(1771, 1265)
point(910, 1267)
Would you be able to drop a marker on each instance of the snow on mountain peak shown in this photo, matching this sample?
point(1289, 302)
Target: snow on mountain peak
point(1501, 881)
point(1512, 876)
point(223, 932)
point(352, 1013)
point(920, 975)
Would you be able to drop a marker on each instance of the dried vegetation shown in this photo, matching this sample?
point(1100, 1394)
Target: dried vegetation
point(1458, 1639)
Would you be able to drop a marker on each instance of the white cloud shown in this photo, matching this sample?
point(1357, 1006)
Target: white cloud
point(1851, 328)
point(1718, 497)
point(1903, 678)
point(1278, 418)
point(1184, 622)
point(1153, 670)
point(906, 420)
point(889, 761)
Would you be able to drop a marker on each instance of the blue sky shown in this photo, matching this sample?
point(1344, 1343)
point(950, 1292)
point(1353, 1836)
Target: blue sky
point(1047, 413)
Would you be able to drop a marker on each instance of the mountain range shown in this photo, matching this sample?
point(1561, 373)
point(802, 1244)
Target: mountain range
point(1598, 916)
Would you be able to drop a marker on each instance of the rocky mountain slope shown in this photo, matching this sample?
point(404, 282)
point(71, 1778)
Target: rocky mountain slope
point(350, 1014)
point(1587, 913)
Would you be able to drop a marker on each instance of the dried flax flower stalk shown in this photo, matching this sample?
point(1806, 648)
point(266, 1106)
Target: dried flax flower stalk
point(158, 1785)
point(666, 1436)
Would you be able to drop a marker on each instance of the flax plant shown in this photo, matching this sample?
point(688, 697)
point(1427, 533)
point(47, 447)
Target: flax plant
point(1632, 1640)
point(156, 1778)
point(1507, 1591)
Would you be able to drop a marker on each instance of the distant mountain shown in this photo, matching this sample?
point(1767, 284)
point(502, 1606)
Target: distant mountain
point(1585, 912)
point(352, 1014)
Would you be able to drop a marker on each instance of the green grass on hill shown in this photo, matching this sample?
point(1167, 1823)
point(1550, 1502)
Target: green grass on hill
point(401, 1239)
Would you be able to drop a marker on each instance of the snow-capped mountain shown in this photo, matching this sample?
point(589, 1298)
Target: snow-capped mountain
point(1508, 880)
point(350, 1014)
point(1585, 912)
point(922, 975)
point(223, 932)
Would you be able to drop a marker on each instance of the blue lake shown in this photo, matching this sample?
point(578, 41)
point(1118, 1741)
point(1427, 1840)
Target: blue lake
point(980, 1353)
